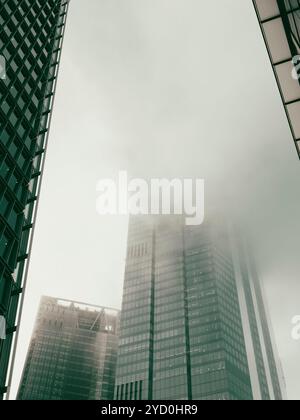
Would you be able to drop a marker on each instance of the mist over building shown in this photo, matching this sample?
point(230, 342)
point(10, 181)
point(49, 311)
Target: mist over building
point(193, 321)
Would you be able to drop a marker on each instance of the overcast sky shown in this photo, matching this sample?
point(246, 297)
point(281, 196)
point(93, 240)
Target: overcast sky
point(166, 88)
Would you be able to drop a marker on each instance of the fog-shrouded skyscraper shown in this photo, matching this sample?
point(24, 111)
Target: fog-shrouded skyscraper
point(280, 25)
point(72, 354)
point(31, 35)
point(193, 323)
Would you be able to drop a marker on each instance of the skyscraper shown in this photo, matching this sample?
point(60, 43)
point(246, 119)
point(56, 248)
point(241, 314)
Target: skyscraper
point(72, 354)
point(280, 25)
point(193, 322)
point(31, 35)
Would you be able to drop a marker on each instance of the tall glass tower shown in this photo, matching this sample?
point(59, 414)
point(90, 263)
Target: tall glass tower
point(31, 35)
point(193, 322)
point(72, 354)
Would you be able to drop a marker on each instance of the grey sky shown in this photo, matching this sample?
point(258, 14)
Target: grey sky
point(166, 88)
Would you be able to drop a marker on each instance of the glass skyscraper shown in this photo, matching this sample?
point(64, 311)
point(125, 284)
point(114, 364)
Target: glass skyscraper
point(280, 25)
point(72, 354)
point(31, 35)
point(193, 321)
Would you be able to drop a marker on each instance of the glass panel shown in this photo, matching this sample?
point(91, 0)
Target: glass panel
point(294, 113)
point(290, 87)
point(267, 8)
point(277, 40)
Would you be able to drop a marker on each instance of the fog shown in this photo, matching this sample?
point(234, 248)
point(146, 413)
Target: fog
point(166, 88)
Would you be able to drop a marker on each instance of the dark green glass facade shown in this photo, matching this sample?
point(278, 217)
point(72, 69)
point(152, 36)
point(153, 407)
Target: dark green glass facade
point(31, 34)
point(182, 333)
point(72, 354)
